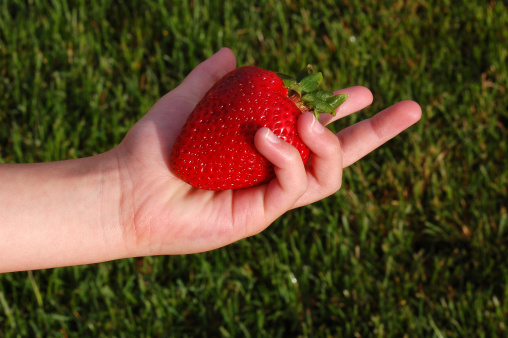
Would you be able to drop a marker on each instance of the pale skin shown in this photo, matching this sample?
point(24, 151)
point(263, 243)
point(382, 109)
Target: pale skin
point(127, 202)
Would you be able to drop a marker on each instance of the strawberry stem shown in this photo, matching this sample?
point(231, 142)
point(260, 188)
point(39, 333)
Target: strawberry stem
point(303, 90)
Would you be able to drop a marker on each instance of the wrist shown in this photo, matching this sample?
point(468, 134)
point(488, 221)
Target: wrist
point(115, 209)
point(61, 213)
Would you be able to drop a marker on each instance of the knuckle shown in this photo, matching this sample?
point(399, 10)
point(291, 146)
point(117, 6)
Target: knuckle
point(293, 155)
point(334, 146)
point(332, 184)
point(338, 185)
point(302, 186)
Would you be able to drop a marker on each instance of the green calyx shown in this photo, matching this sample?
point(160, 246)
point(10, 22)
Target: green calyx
point(302, 90)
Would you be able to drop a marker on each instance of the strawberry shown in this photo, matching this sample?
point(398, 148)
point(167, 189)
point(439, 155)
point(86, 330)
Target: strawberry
point(215, 149)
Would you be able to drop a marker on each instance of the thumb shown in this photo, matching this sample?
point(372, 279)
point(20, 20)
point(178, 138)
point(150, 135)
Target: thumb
point(201, 78)
point(185, 97)
point(168, 114)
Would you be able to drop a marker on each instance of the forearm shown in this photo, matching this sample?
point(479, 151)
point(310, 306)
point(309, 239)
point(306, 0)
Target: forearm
point(60, 213)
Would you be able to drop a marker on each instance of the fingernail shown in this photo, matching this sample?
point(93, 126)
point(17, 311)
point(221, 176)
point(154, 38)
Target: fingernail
point(316, 126)
point(270, 136)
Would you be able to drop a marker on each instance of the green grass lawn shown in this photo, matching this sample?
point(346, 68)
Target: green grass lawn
point(416, 241)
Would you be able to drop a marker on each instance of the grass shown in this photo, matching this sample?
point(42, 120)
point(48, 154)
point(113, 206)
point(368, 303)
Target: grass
point(414, 244)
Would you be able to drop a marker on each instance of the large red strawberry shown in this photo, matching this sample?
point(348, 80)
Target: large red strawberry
point(215, 149)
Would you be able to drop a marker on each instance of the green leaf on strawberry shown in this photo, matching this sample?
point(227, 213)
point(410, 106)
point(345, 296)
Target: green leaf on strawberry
point(305, 87)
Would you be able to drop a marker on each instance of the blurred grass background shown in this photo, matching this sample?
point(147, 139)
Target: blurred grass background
point(416, 241)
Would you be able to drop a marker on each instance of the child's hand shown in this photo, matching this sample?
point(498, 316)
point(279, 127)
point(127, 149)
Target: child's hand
point(127, 202)
point(160, 214)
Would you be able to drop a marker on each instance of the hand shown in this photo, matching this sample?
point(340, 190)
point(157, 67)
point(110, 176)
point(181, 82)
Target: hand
point(160, 214)
point(127, 202)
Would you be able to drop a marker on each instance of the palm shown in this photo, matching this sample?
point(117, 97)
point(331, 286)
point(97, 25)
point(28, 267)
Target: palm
point(171, 217)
